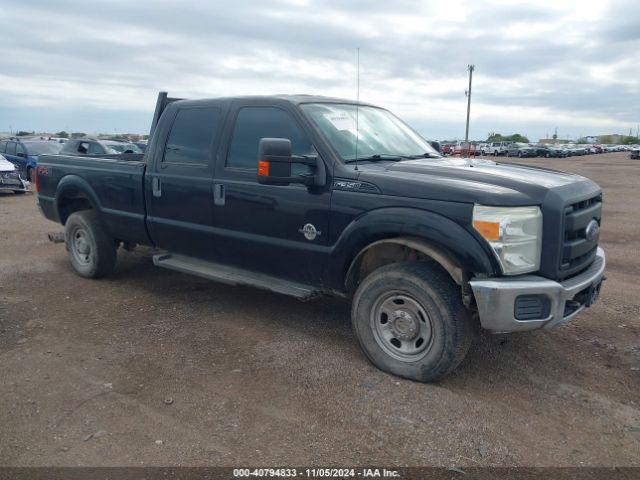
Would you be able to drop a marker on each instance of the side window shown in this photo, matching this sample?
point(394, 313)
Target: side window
point(11, 148)
point(21, 150)
point(83, 147)
point(254, 123)
point(191, 137)
point(3, 147)
point(95, 149)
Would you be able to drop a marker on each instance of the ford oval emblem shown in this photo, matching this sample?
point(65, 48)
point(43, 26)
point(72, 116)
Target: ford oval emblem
point(592, 230)
point(309, 231)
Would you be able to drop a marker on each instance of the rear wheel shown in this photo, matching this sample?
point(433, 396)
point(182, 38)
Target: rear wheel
point(30, 174)
point(410, 321)
point(91, 249)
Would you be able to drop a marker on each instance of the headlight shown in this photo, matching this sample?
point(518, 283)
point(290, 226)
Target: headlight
point(514, 234)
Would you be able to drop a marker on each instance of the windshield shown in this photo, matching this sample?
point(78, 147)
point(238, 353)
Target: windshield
point(43, 148)
point(123, 147)
point(379, 131)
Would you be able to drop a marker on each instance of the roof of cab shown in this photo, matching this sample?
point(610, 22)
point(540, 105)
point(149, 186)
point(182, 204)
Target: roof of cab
point(294, 99)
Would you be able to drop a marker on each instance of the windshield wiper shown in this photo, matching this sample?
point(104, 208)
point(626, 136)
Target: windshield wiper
point(424, 155)
point(377, 158)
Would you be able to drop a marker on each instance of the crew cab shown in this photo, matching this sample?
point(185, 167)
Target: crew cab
point(276, 192)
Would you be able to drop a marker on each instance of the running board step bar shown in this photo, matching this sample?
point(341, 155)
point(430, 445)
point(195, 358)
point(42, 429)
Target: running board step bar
point(234, 276)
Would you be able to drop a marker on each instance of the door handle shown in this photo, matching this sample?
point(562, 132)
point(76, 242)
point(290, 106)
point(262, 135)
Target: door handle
point(218, 194)
point(156, 189)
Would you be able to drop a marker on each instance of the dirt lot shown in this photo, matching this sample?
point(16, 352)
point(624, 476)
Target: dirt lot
point(152, 367)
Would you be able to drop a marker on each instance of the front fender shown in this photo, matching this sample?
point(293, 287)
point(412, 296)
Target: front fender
point(436, 229)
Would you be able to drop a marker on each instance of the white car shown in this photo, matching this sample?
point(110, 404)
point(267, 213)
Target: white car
point(10, 178)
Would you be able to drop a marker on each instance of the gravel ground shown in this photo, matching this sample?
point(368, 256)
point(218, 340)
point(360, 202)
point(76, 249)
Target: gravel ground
point(153, 367)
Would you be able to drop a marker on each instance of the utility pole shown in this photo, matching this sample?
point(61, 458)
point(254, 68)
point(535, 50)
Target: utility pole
point(471, 68)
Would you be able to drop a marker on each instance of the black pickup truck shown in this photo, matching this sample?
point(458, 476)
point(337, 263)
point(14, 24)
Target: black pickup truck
point(311, 196)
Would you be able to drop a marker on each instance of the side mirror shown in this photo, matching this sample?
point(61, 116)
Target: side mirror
point(21, 154)
point(275, 160)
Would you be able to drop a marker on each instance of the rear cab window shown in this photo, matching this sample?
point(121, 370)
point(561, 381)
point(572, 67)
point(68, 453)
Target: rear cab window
point(191, 139)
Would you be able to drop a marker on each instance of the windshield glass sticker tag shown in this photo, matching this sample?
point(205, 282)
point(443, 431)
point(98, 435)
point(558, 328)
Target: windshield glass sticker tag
point(341, 121)
point(309, 231)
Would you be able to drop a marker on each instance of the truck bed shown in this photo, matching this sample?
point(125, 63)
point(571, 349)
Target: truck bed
point(116, 183)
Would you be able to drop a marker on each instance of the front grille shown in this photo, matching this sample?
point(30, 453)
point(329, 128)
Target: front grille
point(578, 251)
point(9, 175)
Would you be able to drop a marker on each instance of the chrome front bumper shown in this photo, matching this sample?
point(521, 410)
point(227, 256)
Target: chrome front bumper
point(496, 298)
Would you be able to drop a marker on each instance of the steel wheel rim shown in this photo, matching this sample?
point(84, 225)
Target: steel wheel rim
point(81, 246)
point(401, 326)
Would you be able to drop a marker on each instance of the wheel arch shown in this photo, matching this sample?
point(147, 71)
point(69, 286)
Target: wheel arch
point(74, 194)
point(396, 249)
point(431, 235)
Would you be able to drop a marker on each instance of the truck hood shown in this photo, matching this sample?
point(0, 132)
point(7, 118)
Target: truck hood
point(6, 165)
point(473, 180)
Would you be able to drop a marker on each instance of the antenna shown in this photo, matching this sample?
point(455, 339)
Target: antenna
point(357, 105)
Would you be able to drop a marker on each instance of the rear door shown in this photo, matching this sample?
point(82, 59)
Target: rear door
point(279, 230)
point(178, 186)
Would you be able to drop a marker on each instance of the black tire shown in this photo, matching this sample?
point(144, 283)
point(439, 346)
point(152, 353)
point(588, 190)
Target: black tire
point(30, 174)
point(447, 323)
point(92, 251)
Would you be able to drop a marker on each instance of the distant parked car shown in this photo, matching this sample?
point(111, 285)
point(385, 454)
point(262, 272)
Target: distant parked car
point(550, 151)
point(24, 154)
point(93, 146)
point(521, 150)
point(574, 150)
point(10, 179)
point(447, 148)
point(141, 145)
point(497, 148)
point(635, 153)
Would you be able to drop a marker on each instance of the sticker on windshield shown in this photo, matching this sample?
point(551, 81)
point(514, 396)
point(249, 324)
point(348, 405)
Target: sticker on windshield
point(341, 121)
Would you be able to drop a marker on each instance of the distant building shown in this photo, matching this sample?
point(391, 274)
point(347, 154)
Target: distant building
point(592, 139)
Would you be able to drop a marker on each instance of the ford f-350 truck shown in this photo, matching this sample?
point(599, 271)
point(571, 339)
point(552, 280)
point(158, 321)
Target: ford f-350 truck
point(310, 196)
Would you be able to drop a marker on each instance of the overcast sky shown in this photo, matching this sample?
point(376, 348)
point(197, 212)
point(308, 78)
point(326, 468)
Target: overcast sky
point(97, 66)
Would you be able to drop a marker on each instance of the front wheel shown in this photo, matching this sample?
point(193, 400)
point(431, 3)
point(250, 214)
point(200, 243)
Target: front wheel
point(91, 249)
point(410, 321)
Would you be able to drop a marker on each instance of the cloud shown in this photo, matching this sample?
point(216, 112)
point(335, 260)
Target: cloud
point(538, 64)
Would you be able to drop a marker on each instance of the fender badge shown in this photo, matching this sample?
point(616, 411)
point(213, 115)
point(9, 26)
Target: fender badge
point(309, 231)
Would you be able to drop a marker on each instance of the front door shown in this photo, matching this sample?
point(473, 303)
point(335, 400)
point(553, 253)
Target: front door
point(278, 230)
point(179, 184)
